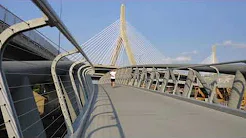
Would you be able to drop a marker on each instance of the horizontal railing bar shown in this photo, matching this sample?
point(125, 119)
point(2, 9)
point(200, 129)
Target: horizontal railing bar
point(44, 6)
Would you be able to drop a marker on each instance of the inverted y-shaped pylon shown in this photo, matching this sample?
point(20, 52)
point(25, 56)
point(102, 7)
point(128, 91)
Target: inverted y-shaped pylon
point(122, 40)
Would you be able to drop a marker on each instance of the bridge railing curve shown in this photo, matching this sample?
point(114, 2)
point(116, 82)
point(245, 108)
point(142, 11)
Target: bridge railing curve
point(220, 84)
point(44, 98)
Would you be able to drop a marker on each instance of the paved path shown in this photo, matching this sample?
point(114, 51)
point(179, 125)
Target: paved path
point(133, 113)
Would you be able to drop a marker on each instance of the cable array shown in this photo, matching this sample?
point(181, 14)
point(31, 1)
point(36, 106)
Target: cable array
point(209, 60)
point(100, 47)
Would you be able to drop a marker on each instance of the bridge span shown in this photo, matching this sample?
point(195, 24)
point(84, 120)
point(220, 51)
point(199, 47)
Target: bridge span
point(51, 93)
point(136, 113)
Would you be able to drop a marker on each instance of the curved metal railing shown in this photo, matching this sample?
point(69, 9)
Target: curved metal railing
point(44, 98)
point(221, 83)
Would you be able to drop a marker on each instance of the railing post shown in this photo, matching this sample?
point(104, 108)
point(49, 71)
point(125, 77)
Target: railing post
point(142, 77)
point(88, 89)
point(136, 77)
point(145, 73)
point(124, 76)
point(83, 94)
point(152, 77)
point(118, 76)
point(73, 83)
point(173, 78)
point(156, 87)
point(59, 90)
point(128, 76)
point(213, 95)
point(189, 83)
point(176, 85)
point(9, 113)
point(165, 81)
point(203, 82)
point(238, 89)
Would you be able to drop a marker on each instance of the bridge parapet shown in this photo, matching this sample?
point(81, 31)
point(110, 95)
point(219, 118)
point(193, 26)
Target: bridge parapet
point(44, 98)
point(188, 81)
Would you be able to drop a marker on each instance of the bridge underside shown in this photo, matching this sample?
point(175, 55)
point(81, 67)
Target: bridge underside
point(133, 113)
point(13, 52)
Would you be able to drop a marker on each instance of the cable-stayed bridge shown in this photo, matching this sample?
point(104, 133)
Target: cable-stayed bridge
point(48, 91)
point(120, 40)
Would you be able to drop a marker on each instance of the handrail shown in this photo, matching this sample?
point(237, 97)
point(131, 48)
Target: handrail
point(182, 66)
point(54, 20)
point(224, 67)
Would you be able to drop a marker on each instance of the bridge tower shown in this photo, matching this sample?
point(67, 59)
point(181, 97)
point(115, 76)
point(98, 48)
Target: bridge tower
point(214, 58)
point(122, 40)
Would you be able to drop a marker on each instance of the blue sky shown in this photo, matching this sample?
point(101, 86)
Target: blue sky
point(176, 27)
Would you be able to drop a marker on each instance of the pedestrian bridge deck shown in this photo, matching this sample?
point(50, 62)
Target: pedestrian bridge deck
point(134, 113)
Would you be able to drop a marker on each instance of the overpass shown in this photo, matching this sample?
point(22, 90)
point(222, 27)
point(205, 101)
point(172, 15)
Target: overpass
point(56, 96)
point(31, 45)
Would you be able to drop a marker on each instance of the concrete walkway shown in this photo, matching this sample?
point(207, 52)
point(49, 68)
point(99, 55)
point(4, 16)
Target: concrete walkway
point(133, 113)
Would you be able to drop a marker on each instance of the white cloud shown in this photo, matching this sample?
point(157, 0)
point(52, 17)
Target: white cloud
point(179, 59)
point(232, 44)
point(184, 58)
point(194, 52)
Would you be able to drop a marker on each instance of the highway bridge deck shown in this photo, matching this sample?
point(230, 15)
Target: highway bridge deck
point(133, 113)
